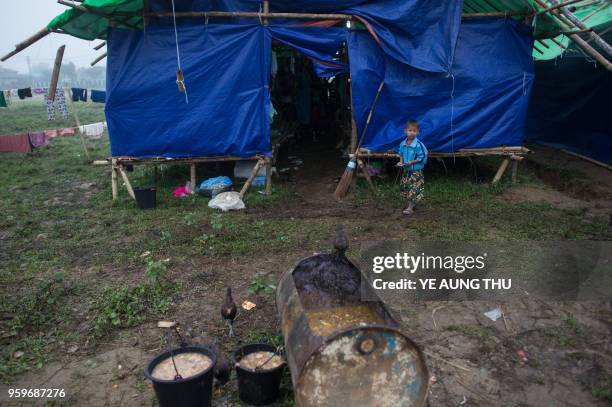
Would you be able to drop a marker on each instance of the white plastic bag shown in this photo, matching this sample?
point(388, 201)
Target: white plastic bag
point(227, 201)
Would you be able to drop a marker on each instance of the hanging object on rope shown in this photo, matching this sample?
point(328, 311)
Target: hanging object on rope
point(180, 81)
point(180, 78)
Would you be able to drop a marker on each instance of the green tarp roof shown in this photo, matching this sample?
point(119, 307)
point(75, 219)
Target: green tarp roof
point(95, 23)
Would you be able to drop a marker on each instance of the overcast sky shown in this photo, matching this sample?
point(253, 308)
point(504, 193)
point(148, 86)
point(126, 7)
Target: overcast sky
point(22, 18)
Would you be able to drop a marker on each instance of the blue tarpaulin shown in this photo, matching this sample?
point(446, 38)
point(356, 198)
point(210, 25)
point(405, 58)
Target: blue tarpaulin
point(422, 33)
point(570, 107)
point(481, 103)
point(226, 73)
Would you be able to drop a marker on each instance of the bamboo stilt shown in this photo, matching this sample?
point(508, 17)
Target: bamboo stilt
point(268, 176)
point(249, 180)
point(114, 179)
point(126, 180)
point(366, 174)
point(192, 174)
point(501, 170)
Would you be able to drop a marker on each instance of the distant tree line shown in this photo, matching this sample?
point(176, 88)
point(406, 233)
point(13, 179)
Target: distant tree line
point(40, 76)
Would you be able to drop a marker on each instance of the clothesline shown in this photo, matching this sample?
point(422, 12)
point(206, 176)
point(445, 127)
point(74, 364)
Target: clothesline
point(78, 94)
point(26, 142)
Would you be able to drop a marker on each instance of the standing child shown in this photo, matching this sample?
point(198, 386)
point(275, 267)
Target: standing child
point(413, 157)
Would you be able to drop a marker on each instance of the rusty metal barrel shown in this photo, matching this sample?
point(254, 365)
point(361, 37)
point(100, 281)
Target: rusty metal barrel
point(341, 349)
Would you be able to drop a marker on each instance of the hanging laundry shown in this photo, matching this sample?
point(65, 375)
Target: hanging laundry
point(39, 91)
point(66, 132)
point(7, 97)
point(60, 101)
point(24, 93)
point(18, 143)
point(98, 96)
point(79, 94)
point(14, 92)
point(2, 100)
point(38, 139)
point(51, 133)
point(92, 130)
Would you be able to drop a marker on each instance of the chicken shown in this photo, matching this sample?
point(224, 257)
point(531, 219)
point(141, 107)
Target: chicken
point(340, 242)
point(228, 310)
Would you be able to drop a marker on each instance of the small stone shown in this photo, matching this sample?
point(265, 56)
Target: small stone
point(18, 354)
point(41, 236)
point(72, 349)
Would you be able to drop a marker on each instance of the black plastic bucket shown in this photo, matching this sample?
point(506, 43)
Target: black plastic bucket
point(146, 197)
point(257, 387)
point(190, 392)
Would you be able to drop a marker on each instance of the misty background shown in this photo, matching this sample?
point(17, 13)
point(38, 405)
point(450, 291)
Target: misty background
point(32, 67)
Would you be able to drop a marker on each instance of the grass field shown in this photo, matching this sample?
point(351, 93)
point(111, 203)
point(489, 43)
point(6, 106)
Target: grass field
point(77, 269)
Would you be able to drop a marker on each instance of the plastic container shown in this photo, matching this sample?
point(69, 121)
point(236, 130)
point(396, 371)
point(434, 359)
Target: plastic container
point(261, 387)
point(190, 392)
point(146, 197)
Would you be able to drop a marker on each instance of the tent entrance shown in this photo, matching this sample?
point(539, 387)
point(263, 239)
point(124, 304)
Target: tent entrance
point(310, 115)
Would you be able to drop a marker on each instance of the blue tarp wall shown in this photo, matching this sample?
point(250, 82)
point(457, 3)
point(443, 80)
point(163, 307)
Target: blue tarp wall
point(481, 102)
point(570, 107)
point(483, 92)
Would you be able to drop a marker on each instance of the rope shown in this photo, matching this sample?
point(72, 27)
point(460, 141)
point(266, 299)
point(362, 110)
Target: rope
point(178, 55)
point(452, 132)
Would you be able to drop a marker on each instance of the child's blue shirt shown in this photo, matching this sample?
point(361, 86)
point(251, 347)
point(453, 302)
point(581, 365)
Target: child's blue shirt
point(414, 151)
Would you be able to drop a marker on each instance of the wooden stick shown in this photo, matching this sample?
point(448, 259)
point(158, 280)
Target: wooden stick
point(591, 160)
point(353, 124)
point(266, 11)
point(56, 71)
point(100, 45)
point(114, 179)
point(67, 93)
point(366, 174)
point(249, 180)
point(244, 14)
point(565, 3)
point(446, 361)
point(126, 180)
point(268, 176)
point(501, 170)
point(26, 43)
point(192, 173)
point(100, 58)
point(100, 14)
point(514, 171)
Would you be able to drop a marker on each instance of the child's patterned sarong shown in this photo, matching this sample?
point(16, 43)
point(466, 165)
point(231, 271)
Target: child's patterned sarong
point(412, 186)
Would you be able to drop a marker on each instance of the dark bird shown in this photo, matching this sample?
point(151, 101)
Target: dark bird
point(340, 242)
point(228, 310)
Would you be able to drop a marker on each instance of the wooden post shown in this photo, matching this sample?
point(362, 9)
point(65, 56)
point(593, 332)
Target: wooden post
point(68, 95)
point(56, 71)
point(126, 180)
point(501, 170)
point(268, 176)
point(192, 173)
point(114, 178)
point(266, 11)
point(249, 180)
point(514, 171)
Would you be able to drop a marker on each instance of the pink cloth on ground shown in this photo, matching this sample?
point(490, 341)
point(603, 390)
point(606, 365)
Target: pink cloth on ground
point(51, 133)
point(69, 131)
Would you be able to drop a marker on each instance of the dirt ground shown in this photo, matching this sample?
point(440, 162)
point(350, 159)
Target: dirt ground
point(472, 360)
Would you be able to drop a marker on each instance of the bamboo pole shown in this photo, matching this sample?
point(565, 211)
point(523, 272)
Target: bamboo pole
point(192, 175)
point(501, 170)
point(98, 59)
point(576, 21)
point(268, 175)
point(126, 181)
point(249, 180)
point(579, 41)
point(68, 94)
point(563, 4)
point(514, 171)
point(266, 11)
point(56, 71)
point(366, 174)
point(27, 42)
point(114, 179)
point(100, 45)
point(597, 10)
point(591, 160)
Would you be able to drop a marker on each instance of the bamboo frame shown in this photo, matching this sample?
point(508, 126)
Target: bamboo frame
point(98, 59)
point(118, 165)
point(57, 65)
